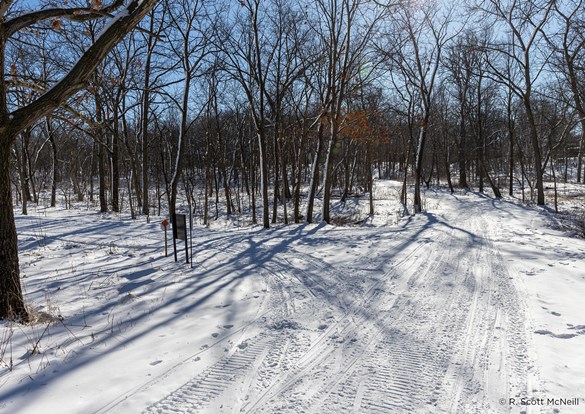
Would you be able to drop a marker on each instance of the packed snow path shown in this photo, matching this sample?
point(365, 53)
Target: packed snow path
point(420, 318)
point(445, 312)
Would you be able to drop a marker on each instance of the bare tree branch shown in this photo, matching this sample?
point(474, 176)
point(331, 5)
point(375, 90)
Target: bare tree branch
point(77, 77)
point(78, 14)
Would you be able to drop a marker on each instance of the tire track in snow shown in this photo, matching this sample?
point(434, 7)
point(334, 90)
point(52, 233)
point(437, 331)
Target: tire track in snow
point(446, 342)
point(403, 372)
point(339, 358)
point(279, 305)
point(406, 373)
point(204, 388)
point(489, 361)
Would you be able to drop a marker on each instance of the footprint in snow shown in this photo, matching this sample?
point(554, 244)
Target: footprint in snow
point(579, 328)
point(228, 326)
point(215, 334)
point(553, 335)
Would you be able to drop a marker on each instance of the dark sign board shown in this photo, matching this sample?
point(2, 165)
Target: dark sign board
point(180, 227)
point(180, 232)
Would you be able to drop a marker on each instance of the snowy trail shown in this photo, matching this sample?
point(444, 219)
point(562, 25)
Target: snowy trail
point(457, 310)
point(425, 322)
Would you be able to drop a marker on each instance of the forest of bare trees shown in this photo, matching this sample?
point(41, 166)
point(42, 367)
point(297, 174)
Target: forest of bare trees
point(256, 108)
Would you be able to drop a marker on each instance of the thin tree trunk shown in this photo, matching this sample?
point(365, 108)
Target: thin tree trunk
point(285, 189)
point(328, 171)
point(115, 163)
point(314, 176)
point(537, 154)
point(462, 153)
point(448, 171)
point(419, 163)
point(145, 121)
point(264, 178)
point(276, 177)
point(22, 173)
point(369, 177)
point(511, 160)
point(55, 169)
point(181, 146)
point(102, 179)
point(580, 156)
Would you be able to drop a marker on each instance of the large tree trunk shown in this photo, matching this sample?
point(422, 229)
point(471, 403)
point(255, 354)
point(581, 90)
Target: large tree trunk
point(11, 299)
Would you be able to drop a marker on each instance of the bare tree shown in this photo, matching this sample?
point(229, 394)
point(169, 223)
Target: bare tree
point(346, 28)
point(13, 120)
point(461, 63)
point(191, 48)
point(416, 50)
point(246, 58)
point(522, 47)
point(572, 49)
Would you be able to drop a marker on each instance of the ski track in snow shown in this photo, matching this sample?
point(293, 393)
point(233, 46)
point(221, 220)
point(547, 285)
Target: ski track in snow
point(437, 327)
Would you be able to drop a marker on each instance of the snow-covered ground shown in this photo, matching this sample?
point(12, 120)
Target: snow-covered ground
point(475, 306)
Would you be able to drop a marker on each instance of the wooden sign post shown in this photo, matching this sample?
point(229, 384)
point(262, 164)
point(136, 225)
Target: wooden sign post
point(164, 224)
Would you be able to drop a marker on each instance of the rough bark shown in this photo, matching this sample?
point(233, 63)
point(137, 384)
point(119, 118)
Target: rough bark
point(11, 299)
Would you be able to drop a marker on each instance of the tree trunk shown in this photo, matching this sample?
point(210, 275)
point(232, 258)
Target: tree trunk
point(24, 189)
point(537, 153)
point(285, 189)
point(116, 168)
point(181, 145)
point(448, 170)
point(264, 179)
point(297, 174)
point(511, 160)
point(55, 169)
point(580, 156)
point(11, 298)
point(102, 179)
point(462, 152)
point(369, 177)
point(328, 172)
point(419, 162)
point(145, 120)
point(314, 176)
point(276, 176)
point(493, 186)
